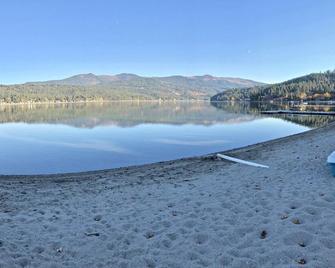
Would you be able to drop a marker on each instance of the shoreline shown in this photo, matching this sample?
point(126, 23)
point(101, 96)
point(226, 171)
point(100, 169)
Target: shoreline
point(314, 102)
point(102, 101)
point(206, 211)
point(234, 151)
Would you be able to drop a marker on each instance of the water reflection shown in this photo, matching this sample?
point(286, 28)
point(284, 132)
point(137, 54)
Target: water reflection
point(124, 114)
point(37, 139)
point(255, 108)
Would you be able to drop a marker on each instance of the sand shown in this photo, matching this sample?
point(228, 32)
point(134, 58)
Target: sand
point(196, 212)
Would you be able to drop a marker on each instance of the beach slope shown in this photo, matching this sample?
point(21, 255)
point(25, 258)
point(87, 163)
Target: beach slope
point(195, 212)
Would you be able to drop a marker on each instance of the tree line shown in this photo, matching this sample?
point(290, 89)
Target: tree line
point(316, 86)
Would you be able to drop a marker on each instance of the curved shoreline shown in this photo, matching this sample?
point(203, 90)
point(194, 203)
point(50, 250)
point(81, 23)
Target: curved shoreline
point(206, 211)
point(131, 168)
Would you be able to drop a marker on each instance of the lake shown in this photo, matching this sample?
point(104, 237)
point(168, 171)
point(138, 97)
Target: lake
point(59, 138)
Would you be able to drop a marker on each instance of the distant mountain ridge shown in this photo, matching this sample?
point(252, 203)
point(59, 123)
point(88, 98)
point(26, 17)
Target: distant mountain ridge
point(315, 86)
point(209, 81)
point(89, 79)
point(91, 87)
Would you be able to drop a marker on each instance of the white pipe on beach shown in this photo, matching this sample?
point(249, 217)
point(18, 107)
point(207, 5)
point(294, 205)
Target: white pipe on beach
point(229, 158)
point(331, 158)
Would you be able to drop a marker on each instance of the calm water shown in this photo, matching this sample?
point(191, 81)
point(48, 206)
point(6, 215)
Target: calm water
point(41, 139)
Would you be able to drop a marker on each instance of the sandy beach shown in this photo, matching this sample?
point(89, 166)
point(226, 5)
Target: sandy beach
point(195, 212)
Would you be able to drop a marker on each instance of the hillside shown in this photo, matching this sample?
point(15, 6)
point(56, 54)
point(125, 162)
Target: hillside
point(191, 82)
point(90, 87)
point(316, 86)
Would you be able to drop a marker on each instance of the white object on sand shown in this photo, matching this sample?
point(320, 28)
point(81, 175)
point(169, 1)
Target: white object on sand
point(331, 162)
point(229, 158)
point(331, 158)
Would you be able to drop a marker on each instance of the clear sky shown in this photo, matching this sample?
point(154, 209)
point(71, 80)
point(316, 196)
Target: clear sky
point(264, 40)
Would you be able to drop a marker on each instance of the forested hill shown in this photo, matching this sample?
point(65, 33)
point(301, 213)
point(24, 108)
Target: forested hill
point(316, 86)
point(90, 87)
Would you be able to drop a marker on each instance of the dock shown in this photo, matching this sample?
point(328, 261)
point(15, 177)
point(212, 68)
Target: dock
point(299, 112)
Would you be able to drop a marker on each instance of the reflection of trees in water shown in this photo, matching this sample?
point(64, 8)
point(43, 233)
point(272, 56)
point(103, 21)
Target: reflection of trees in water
point(120, 113)
point(133, 113)
point(308, 120)
point(244, 107)
point(257, 107)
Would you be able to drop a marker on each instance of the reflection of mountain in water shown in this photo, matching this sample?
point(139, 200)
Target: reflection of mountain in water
point(255, 108)
point(124, 114)
point(88, 115)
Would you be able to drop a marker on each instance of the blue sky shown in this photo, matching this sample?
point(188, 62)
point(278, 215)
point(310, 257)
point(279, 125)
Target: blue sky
point(264, 40)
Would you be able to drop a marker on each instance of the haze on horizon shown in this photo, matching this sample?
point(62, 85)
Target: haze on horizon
point(259, 40)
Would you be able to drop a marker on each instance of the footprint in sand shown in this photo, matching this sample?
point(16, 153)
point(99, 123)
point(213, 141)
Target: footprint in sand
point(149, 235)
point(329, 199)
point(312, 211)
point(192, 256)
point(328, 243)
point(166, 224)
point(201, 238)
point(294, 206)
point(23, 262)
point(166, 243)
point(172, 236)
point(296, 221)
point(38, 250)
point(301, 239)
point(225, 260)
point(110, 246)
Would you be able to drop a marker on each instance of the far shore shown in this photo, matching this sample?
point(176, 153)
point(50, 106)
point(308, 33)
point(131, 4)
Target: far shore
point(193, 212)
point(102, 101)
point(316, 102)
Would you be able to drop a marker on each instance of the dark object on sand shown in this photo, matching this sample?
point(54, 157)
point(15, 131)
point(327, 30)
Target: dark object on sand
point(92, 234)
point(263, 234)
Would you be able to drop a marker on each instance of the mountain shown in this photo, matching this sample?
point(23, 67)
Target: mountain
point(206, 82)
point(89, 79)
point(91, 87)
point(315, 86)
